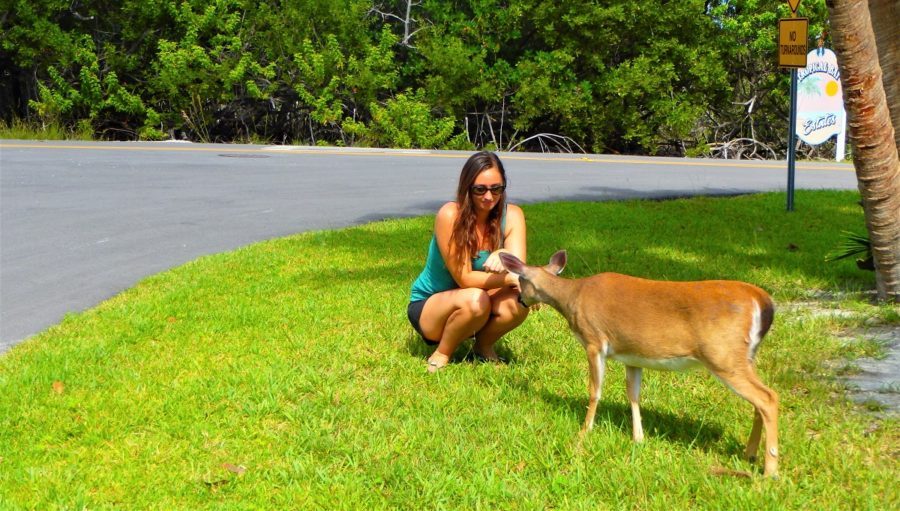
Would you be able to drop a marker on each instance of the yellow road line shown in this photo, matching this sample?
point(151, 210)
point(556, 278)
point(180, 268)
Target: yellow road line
point(394, 152)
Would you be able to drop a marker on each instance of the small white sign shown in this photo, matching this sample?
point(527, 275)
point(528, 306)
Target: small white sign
point(820, 101)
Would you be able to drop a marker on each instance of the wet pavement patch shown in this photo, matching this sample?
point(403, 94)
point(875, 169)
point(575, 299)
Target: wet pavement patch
point(871, 382)
point(876, 382)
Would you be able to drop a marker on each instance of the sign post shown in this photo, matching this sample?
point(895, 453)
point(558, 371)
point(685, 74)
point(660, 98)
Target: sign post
point(792, 36)
point(792, 142)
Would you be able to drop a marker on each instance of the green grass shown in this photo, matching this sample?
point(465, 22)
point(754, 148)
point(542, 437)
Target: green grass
point(22, 130)
point(284, 375)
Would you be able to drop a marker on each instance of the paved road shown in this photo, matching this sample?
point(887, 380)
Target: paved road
point(80, 222)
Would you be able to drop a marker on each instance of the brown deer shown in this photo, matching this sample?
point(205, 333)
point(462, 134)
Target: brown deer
point(674, 326)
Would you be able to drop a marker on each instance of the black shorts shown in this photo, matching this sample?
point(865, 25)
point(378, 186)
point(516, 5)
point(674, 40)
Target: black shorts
point(414, 312)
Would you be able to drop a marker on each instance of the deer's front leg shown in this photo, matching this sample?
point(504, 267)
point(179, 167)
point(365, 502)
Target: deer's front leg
point(596, 373)
point(633, 386)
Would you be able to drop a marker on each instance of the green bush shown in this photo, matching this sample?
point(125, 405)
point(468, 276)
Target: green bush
point(406, 122)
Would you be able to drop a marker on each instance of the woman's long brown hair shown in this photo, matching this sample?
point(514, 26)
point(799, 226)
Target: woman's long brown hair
point(464, 239)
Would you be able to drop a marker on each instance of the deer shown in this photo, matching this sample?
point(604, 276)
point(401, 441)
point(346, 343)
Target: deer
point(664, 325)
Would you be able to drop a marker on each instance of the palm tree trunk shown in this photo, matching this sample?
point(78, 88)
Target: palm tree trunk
point(871, 133)
point(886, 24)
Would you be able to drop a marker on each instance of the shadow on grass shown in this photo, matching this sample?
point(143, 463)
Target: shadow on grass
point(611, 193)
point(416, 347)
point(691, 432)
point(414, 210)
point(703, 238)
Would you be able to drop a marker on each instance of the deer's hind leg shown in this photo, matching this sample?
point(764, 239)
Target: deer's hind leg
point(755, 434)
point(747, 384)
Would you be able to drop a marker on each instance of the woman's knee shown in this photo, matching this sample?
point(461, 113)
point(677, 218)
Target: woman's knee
point(509, 309)
point(477, 302)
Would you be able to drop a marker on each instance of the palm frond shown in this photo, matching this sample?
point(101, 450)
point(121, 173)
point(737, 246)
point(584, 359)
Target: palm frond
point(852, 244)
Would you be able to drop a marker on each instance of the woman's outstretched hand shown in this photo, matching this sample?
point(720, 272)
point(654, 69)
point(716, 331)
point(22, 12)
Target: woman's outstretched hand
point(493, 263)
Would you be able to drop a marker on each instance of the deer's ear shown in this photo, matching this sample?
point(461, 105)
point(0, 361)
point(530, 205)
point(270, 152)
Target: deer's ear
point(512, 263)
point(557, 262)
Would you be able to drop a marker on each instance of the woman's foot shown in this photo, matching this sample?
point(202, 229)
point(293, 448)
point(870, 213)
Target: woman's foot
point(437, 361)
point(489, 356)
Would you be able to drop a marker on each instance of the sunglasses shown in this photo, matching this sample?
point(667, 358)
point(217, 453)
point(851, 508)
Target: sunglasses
point(480, 190)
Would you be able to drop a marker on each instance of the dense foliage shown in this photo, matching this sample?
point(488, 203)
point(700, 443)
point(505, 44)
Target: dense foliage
point(636, 76)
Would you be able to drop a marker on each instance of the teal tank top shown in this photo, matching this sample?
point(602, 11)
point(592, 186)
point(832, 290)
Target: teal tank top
point(436, 278)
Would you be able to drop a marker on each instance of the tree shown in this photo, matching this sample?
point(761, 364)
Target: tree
point(693, 77)
point(885, 16)
point(871, 133)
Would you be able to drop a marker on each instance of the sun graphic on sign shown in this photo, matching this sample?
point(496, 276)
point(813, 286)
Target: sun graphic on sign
point(831, 88)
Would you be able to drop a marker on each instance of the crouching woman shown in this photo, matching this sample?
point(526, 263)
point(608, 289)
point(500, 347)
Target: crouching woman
point(464, 290)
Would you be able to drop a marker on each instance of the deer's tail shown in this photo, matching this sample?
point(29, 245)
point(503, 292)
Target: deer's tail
point(763, 316)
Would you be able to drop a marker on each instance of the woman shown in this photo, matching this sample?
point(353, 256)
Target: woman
point(464, 289)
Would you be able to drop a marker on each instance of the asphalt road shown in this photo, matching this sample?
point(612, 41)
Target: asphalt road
point(81, 222)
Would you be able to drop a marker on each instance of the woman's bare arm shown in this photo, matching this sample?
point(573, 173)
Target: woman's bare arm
point(514, 241)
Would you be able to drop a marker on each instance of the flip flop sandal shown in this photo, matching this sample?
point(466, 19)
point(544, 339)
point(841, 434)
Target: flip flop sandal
point(434, 367)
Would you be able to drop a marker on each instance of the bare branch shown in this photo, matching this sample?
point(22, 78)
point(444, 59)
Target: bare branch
point(384, 15)
point(738, 147)
point(558, 140)
point(73, 6)
point(407, 20)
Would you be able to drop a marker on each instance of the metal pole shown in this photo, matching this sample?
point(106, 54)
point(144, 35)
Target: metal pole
point(792, 141)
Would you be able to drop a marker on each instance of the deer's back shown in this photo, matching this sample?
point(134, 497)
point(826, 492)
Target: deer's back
point(668, 319)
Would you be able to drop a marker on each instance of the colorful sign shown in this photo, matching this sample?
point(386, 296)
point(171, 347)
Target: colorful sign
point(820, 101)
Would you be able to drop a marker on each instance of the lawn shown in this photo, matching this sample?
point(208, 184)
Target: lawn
point(284, 375)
